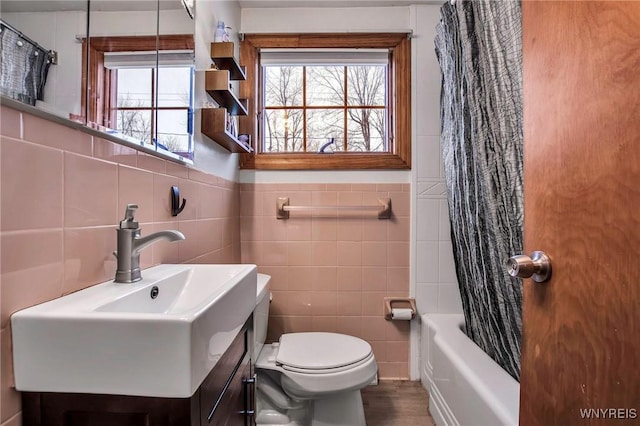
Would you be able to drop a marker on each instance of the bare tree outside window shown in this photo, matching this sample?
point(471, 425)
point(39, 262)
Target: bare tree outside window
point(172, 130)
point(285, 125)
point(174, 102)
point(165, 116)
point(305, 106)
point(366, 87)
point(173, 143)
point(134, 122)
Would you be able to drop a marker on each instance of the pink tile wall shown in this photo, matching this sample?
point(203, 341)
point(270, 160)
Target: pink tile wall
point(62, 195)
point(332, 270)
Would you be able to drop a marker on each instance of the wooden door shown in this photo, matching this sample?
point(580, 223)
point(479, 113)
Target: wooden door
point(581, 334)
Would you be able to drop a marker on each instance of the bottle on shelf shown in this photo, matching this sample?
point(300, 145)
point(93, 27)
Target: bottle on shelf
point(221, 33)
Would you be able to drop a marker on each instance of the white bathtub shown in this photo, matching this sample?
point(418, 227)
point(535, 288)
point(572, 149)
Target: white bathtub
point(465, 385)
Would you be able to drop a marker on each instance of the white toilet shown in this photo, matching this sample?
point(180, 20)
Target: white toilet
point(308, 379)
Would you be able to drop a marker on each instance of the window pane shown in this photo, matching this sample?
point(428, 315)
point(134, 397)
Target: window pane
point(174, 86)
point(366, 130)
point(325, 86)
point(366, 85)
point(283, 131)
point(173, 130)
point(328, 92)
point(134, 87)
point(136, 124)
point(283, 86)
point(322, 125)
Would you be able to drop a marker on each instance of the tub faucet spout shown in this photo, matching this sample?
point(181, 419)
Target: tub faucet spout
point(130, 244)
point(323, 148)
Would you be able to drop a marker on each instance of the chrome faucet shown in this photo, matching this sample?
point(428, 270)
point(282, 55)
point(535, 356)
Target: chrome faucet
point(130, 244)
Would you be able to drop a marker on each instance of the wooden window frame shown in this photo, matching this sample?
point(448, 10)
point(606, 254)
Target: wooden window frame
point(101, 92)
point(399, 157)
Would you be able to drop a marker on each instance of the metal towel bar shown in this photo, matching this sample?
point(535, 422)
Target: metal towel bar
point(283, 208)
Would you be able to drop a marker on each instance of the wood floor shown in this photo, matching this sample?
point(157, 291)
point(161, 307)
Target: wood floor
point(396, 403)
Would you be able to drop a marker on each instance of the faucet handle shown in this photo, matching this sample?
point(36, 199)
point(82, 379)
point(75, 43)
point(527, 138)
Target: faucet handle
point(129, 222)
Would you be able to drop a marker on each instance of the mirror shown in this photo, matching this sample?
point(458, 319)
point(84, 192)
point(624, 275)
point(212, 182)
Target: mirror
point(139, 86)
point(176, 72)
point(30, 30)
point(113, 81)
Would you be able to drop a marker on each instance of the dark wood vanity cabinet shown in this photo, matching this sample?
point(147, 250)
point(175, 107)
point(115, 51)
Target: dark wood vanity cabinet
point(225, 398)
point(235, 406)
point(226, 395)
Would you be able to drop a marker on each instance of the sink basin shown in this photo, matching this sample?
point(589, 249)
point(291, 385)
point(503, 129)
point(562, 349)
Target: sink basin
point(117, 339)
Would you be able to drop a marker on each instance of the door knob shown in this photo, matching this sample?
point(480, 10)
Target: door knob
point(537, 267)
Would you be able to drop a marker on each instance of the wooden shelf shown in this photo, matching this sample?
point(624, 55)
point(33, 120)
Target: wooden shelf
point(216, 83)
point(222, 55)
point(214, 125)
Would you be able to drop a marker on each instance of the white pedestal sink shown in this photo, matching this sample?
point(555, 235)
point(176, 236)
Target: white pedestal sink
point(116, 339)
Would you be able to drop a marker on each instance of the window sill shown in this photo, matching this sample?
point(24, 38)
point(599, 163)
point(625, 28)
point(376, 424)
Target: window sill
point(335, 161)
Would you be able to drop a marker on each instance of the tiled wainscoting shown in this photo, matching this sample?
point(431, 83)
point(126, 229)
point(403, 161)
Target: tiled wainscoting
point(63, 194)
point(332, 269)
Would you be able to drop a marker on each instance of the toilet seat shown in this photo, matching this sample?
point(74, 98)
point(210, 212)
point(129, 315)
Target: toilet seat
point(327, 370)
point(352, 370)
point(318, 352)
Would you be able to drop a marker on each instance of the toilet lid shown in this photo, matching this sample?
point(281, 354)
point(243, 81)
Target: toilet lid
point(316, 351)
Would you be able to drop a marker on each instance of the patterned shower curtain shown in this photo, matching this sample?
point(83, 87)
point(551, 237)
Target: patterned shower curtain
point(23, 67)
point(479, 48)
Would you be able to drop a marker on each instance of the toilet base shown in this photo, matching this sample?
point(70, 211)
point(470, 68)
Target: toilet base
point(343, 409)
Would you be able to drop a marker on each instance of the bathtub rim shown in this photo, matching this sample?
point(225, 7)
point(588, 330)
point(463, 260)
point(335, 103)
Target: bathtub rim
point(491, 384)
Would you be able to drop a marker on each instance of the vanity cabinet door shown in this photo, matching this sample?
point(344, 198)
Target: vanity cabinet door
point(226, 394)
point(235, 405)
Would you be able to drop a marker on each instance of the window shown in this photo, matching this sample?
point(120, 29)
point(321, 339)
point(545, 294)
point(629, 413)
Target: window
point(123, 84)
point(314, 97)
point(139, 115)
point(306, 90)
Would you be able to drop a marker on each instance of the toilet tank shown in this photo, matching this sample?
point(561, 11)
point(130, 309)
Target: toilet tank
point(261, 314)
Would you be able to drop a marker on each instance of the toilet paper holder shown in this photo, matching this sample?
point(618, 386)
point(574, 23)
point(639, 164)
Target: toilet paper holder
point(391, 303)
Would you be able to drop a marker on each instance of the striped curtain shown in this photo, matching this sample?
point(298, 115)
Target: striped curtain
point(479, 48)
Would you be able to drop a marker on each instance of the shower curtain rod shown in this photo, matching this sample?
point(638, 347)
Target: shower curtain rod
point(53, 55)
